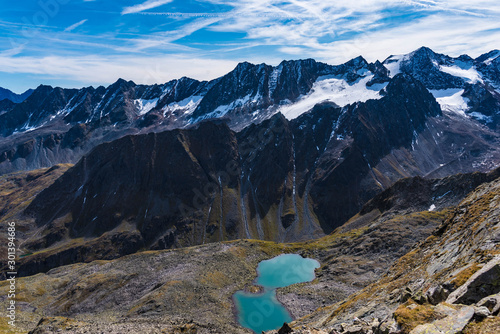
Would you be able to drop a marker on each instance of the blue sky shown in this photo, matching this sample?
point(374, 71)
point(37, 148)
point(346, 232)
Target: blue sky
point(75, 43)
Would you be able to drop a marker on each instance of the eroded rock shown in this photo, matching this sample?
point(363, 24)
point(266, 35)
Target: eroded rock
point(483, 283)
point(491, 302)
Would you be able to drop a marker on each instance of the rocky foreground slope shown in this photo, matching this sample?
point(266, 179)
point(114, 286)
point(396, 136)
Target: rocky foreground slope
point(448, 256)
point(448, 283)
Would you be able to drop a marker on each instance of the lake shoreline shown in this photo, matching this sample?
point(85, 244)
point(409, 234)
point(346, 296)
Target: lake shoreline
point(258, 306)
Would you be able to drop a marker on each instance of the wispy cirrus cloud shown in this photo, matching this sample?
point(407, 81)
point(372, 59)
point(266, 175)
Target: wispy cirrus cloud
point(150, 4)
point(220, 33)
point(74, 26)
point(336, 31)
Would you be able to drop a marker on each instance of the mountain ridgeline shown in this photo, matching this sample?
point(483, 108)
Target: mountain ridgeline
point(56, 125)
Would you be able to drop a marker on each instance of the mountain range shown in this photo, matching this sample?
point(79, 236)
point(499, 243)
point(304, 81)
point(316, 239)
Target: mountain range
point(282, 154)
point(56, 125)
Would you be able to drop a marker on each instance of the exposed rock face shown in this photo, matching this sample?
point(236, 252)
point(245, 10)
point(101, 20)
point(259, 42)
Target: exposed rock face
point(44, 100)
point(420, 194)
point(105, 188)
point(423, 64)
point(250, 88)
point(51, 117)
point(373, 136)
point(482, 284)
point(453, 324)
point(6, 105)
point(285, 329)
point(492, 303)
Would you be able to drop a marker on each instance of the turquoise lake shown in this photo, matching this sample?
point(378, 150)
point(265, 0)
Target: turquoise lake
point(262, 312)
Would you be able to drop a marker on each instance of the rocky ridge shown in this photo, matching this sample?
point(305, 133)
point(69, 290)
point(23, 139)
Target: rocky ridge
point(446, 284)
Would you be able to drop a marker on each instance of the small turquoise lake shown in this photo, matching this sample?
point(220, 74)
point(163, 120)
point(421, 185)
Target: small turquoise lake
point(262, 311)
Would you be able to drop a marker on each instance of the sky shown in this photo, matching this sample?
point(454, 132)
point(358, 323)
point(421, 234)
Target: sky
point(77, 43)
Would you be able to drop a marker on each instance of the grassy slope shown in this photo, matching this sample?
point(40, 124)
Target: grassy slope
point(17, 190)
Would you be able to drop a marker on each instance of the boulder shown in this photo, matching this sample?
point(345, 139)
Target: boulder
point(388, 327)
point(437, 294)
point(285, 329)
point(426, 329)
point(481, 312)
point(354, 329)
point(444, 310)
point(483, 283)
point(452, 324)
point(491, 302)
point(455, 323)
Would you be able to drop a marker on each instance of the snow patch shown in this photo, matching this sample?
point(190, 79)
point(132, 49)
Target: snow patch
point(452, 100)
point(481, 117)
point(220, 111)
point(462, 70)
point(144, 106)
point(393, 64)
point(333, 89)
point(432, 208)
point(188, 105)
point(273, 79)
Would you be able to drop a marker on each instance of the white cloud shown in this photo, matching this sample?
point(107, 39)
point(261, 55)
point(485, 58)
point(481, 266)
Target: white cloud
point(145, 6)
point(444, 34)
point(15, 50)
point(291, 50)
point(74, 26)
point(94, 70)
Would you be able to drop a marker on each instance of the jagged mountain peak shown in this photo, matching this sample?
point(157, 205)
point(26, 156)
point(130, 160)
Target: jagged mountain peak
point(122, 83)
point(424, 51)
point(245, 66)
point(184, 79)
point(43, 89)
point(465, 58)
point(359, 62)
point(398, 83)
point(298, 62)
point(463, 86)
